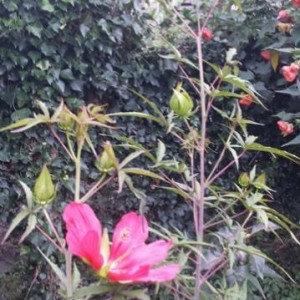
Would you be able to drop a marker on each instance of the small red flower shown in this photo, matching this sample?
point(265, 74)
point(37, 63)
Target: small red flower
point(290, 73)
point(285, 128)
point(284, 17)
point(246, 100)
point(207, 34)
point(296, 3)
point(265, 54)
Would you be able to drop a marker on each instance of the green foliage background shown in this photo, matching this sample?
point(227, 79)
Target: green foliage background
point(94, 52)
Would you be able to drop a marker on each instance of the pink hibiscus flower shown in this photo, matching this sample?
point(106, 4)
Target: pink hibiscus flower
point(128, 259)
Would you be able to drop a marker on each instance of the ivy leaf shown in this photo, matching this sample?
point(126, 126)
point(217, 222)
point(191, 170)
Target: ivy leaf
point(84, 29)
point(47, 6)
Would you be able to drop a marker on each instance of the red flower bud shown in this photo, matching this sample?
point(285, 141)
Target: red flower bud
point(206, 34)
point(265, 54)
point(296, 3)
point(246, 100)
point(285, 128)
point(290, 73)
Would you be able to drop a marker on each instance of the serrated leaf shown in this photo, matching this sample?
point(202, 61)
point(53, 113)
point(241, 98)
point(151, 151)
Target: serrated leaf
point(32, 221)
point(15, 222)
point(28, 194)
point(59, 273)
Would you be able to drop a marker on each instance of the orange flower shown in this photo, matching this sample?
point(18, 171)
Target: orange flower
point(246, 100)
point(207, 34)
point(296, 3)
point(285, 128)
point(265, 54)
point(290, 73)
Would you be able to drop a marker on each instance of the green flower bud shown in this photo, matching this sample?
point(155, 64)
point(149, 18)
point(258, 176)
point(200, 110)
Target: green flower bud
point(44, 189)
point(244, 179)
point(66, 121)
point(82, 125)
point(107, 160)
point(181, 102)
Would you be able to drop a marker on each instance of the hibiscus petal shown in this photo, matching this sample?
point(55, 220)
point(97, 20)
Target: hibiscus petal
point(131, 231)
point(88, 248)
point(81, 217)
point(128, 275)
point(161, 274)
point(144, 255)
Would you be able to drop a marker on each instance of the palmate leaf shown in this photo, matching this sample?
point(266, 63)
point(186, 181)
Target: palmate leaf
point(137, 115)
point(254, 251)
point(130, 157)
point(31, 223)
point(139, 171)
point(16, 221)
point(274, 151)
point(28, 194)
point(150, 103)
point(59, 273)
point(26, 123)
point(92, 290)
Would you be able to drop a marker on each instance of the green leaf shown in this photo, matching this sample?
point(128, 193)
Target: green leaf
point(136, 294)
point(28, 194)
point(150, 103)
point(20, 123)
point(274, 151)
point(84, 29)
point(161, 151)
point(138, 171)
point(35, 30)
point(260, 181)
point(59, 273)
point(92, 290)
point(294, 141)
point(138, 115)
point(67, 74)
point(61, 85)
point(32, 221)
point(46, 6)
point(76, 277)
point(293, 90)
point(16, 221)
point(130, 157)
